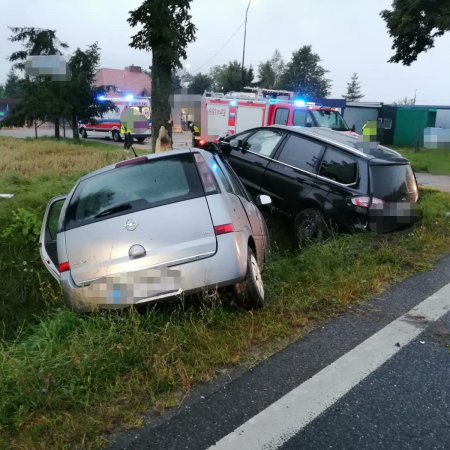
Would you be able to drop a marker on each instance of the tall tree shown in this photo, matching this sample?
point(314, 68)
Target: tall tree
point(12, 86)
point(166, 31)
point(414, 25)
point(353, 93)
point(35, 41)
point(81, 98)
point(38, 42)
point(269, 72)
point(2, 91)
point(305, 75)
point(200, 83)
point(228, 77)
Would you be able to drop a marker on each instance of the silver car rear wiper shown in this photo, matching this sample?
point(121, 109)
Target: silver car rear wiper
point(113, 209)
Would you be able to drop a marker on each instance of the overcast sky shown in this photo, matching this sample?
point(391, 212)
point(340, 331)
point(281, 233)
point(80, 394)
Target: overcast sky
point(348, 35)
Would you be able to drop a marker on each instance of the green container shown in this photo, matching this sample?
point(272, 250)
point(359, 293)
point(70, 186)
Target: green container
point(410, 125)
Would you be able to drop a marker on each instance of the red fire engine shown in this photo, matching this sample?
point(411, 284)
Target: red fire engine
point(238, 111)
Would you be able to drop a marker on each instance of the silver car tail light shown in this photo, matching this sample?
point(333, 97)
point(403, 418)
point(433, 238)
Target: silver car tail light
point(223, 229)
point(206, 175)
point(64, 266)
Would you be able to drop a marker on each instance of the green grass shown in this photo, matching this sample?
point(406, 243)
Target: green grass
point(68, 380)
point(436, 161)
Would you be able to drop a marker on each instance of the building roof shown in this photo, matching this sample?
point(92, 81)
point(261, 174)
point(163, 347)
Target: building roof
point(131, 80)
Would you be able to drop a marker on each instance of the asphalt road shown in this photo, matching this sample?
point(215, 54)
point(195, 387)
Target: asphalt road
point(403, 403)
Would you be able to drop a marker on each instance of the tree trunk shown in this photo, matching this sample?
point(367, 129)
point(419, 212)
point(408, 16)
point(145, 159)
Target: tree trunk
point(76, 136)
point(57, 135)
point(161, 91)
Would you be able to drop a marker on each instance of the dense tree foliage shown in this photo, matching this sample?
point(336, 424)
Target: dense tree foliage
point(12, 86)
point(200, 83)
point(353, 93)
point(228, 77)
point(305, 75)
point(41, 97)
point(270, 72)
point(414, 25)
point(37, 42)
point(166, 31)
point(81, 97)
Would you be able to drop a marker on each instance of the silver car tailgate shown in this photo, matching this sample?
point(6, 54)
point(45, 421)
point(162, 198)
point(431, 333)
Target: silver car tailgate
point(165, 235)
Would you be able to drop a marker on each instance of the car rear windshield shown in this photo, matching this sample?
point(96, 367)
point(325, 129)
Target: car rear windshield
point(134, 187)
point(393, 182)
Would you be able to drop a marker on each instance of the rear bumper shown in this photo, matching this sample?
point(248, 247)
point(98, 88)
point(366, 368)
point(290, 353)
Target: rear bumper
point(394, 217)
point(226, 267)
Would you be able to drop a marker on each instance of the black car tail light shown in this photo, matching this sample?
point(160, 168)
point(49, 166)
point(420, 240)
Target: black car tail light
point(367, 202)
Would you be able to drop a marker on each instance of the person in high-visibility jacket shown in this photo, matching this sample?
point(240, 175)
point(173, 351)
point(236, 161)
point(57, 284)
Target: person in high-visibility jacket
point(197, 140)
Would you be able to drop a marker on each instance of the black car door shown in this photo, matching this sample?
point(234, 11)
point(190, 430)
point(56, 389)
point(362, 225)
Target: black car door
point(291, 175)
point(340, 175)
point(251, 159)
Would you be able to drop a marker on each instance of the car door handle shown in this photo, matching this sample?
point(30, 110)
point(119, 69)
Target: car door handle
point(257, 163)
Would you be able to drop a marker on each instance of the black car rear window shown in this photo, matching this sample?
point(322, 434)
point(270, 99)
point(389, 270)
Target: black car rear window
point(134, 187)
point(339, 166)
point(393, 182)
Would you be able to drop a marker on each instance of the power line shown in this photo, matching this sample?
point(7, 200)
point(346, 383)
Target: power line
point(221, 48)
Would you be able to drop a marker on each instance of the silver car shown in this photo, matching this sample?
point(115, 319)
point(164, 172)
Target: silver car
point(155, 227)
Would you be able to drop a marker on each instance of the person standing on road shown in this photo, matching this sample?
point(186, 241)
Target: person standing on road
point(169, 126)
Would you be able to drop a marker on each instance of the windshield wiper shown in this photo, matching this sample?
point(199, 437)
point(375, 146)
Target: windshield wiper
point(113, 209)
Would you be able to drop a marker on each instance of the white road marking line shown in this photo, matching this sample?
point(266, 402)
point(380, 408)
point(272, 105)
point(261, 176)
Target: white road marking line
point(280, 421)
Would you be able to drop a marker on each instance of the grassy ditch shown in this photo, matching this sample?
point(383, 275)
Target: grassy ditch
point(67, 380)
point(434, 161)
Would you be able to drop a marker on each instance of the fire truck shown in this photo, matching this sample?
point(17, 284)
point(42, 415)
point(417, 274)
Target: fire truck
point(231, 113)
point(131, 115)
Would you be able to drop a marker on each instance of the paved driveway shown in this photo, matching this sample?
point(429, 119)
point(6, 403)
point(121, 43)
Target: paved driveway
point(439, 182)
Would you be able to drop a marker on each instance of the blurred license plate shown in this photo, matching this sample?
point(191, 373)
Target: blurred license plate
point(132, 287)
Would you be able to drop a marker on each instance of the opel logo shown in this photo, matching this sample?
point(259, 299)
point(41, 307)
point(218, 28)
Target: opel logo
point(131, 224)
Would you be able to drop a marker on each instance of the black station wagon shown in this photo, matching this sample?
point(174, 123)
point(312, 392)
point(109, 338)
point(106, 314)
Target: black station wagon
point(321, 177)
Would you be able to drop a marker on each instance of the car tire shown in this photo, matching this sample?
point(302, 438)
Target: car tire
point(251, 290)
point(83, 133)
point(309, 226)
point(116, 136)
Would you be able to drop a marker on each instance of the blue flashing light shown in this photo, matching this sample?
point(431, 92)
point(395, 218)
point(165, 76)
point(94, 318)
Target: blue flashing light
point(233, 103)
point(273, 100)
point(215, 167)
point(129, 97)
point(101, 98)
point(299, 102)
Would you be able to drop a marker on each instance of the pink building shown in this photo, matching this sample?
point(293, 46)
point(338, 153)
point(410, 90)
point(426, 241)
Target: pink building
point(131, 80)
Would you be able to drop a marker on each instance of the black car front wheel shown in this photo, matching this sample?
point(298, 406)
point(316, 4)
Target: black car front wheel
point(309, 226)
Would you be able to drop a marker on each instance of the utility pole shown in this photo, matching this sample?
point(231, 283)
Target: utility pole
point(243, 50)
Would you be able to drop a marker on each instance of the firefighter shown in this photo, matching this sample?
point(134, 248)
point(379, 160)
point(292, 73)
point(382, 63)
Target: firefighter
point(196, 138)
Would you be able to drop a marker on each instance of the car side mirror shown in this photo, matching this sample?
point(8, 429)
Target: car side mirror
point(308, 124)
point(236, 144)
point(353, 128)
point(263, 200)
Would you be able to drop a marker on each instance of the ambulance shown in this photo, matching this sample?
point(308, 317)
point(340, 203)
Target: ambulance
point(131, 115)
point(225, 114)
